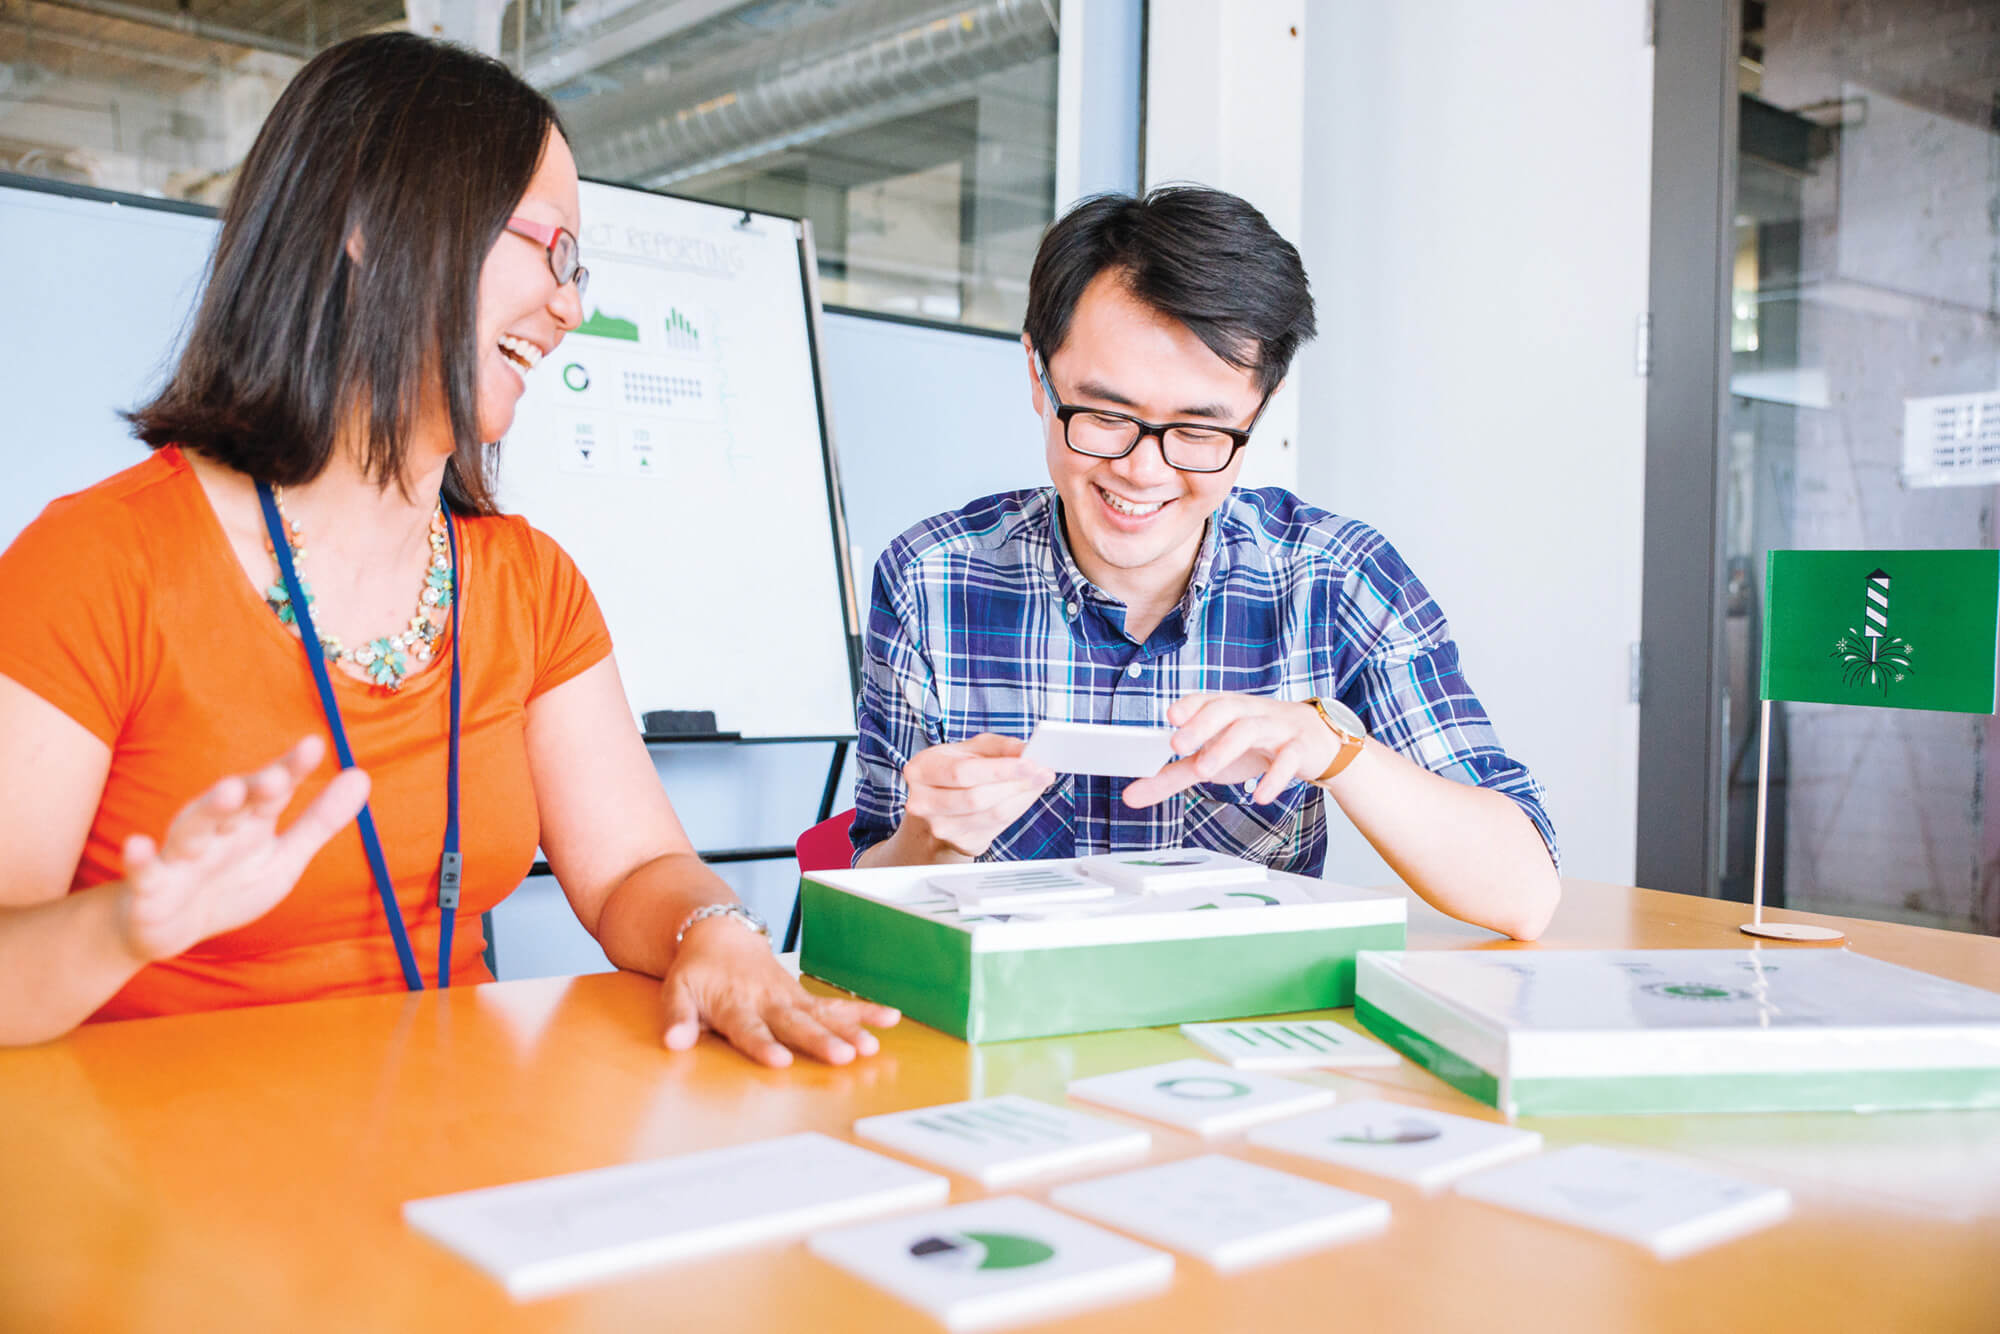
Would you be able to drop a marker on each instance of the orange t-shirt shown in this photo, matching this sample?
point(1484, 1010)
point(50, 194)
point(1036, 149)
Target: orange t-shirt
point(126, 609)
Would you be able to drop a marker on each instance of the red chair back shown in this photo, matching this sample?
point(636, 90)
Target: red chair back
point(825, 846)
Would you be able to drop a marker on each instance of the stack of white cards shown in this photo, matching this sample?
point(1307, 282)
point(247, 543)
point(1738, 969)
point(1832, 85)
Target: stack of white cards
point(1170, 869)
point(1023, 886)
point(996, 1261)
point(998, 1141)
point(1225, 1211)
point(1201, 1096)
point(543, 1236)
point(1414, 1144)
point(1672, 1209)
point(1301, 1044)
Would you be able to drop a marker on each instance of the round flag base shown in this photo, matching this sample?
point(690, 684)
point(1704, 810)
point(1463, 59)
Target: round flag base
point(1791, 931)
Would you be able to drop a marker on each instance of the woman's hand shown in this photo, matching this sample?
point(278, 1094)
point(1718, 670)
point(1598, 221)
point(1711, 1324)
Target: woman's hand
point(1231, 738)
point(223, 863)
point(725, 977)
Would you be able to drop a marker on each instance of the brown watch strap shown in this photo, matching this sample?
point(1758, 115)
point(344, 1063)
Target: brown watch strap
point(1350, 744)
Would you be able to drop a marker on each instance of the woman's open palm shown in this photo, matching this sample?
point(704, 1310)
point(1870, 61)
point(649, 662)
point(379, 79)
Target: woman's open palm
point(223, 863)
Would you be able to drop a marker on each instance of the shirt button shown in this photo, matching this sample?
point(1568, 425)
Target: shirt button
point(1133, 670)
point(1071, 610)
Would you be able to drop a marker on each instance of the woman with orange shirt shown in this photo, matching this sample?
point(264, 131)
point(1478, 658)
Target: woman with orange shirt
point(313, 552)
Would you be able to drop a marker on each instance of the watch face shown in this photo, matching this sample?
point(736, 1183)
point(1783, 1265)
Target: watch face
point(1345, 717)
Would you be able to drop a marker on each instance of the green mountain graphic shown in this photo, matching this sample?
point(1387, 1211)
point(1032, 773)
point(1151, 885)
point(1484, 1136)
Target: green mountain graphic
point(600, 325)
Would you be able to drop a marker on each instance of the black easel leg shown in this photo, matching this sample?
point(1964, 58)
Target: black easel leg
point(826, 799)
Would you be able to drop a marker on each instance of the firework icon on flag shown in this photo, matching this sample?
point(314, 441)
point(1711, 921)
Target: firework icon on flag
point(1871, 654)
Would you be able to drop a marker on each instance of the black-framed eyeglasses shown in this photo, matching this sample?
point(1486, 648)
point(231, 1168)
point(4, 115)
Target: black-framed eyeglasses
point(564, 253)
point(1186, 446)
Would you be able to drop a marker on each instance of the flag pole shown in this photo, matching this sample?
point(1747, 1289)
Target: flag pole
point(1757, 926)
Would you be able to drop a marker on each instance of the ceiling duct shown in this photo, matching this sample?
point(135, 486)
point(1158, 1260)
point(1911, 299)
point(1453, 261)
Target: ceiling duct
point(873, 63)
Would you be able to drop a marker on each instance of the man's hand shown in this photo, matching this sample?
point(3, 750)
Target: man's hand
point(725, 978)
point(1234, 738)
point(223, 863)
point(964, 795)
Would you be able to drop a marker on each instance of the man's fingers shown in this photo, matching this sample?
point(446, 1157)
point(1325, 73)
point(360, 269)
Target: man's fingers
point(1283, 769)
point(931, 769)
point(1182, 710)
point(931, 803)
point(989, 743)
point(1176, 777)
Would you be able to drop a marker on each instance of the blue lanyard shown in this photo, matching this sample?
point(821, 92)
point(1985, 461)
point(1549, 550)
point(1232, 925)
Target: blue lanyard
point(449, 865)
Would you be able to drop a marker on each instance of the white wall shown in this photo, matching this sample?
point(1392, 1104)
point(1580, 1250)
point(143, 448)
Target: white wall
point(1475, 224)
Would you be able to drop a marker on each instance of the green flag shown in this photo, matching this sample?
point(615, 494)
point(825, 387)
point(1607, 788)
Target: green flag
point(1896, 629)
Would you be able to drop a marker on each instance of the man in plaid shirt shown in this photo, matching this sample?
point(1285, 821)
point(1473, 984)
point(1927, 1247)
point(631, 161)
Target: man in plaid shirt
point(1294, 651)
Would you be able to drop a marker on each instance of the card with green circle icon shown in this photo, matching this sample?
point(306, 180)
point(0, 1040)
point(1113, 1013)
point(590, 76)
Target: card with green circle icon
point(1427, 1149)
point(994, 1262)
point(1201, 1096)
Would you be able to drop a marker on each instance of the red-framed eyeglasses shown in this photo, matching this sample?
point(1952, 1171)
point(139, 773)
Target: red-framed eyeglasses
point(560, 242)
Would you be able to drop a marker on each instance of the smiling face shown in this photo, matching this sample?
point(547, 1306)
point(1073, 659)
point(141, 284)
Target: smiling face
point(1135, 524)
point(523, 313)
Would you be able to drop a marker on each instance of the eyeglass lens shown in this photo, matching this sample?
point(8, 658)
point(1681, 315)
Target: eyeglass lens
point(1186, 447)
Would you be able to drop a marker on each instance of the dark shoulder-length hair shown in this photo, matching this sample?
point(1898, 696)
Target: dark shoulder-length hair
point(411, 153)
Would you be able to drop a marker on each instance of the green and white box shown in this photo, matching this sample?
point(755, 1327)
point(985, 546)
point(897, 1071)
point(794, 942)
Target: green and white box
point(1558, 1032)
point(1128, 961)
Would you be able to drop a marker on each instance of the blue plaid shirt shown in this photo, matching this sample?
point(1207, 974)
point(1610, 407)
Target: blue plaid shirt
point(981, 622)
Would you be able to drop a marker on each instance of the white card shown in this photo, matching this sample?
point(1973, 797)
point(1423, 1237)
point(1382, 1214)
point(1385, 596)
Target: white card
point(1413, 1144)
point(1226, 1211)
point(1264, 894)
point(1101, 748)
point(1169, 869)
point(559, 1232)
point(1201, 1096)
point(998, 1141)
point(1672, 1209)
point(996, 1261)
point(1024, 886)
point(1303, 1044)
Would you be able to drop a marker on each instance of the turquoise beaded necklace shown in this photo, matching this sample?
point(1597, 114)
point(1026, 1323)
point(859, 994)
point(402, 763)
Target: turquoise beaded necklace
point(385, 661)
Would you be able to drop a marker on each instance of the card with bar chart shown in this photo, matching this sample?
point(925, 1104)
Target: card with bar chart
point(1224, 1210)
point(1201, 1096)
point(1413, 1144)
point(1001, 1140)
point(1304, 1044)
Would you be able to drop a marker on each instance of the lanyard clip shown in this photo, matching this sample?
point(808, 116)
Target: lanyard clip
point(448, 878)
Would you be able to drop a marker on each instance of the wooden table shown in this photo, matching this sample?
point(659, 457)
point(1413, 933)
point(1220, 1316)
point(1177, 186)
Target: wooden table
point(245, 1169)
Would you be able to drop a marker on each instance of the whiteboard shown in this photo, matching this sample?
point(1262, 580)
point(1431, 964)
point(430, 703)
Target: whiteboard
point(688, 476)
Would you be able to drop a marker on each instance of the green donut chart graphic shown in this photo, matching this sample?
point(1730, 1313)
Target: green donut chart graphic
point(982, 1251)
point(1262, 900)
point(1202, 1088)
point(1694, 991)
point(575, 377)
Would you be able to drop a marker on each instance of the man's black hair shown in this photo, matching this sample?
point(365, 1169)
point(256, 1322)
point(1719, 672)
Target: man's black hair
point(1200, 256)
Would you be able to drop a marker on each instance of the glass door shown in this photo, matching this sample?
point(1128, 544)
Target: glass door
point(1863, 410)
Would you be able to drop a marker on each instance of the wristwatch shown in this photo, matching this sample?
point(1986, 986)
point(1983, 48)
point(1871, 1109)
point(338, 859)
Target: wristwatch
point(708, 910)
point(1346, 727)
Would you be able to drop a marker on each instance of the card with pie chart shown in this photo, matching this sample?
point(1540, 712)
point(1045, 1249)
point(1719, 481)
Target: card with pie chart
point(1414, 1144)
point(1670, 1208)
point(996, 1261)
point(1226, 1211)
point(1201, 1096)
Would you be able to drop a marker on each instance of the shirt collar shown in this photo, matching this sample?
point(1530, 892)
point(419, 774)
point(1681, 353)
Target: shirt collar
point(1069, 583)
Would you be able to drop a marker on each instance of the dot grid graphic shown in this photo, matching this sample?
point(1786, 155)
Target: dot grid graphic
point(651, 389)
